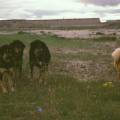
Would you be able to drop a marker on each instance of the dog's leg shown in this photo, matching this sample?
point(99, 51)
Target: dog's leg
point(11, 81)
point(118, 69)
point(13, 75)
point(45, 74)
point(20, 70)
point(4, 90)
point(8, 77)
point(31, 72)
point(42, 75)
point(3, 82)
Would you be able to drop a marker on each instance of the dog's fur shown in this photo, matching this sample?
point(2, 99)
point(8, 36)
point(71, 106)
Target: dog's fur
point(116, 58)
point(6, 71)
point(39, 56)
point(10, 64)
point(18, 48)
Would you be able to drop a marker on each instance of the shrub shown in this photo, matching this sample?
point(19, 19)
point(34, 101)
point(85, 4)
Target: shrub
point(99, 33)
point(21, 32)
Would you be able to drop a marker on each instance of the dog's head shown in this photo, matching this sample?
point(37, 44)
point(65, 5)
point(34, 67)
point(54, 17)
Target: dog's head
point(38, 48)
point(17, 47)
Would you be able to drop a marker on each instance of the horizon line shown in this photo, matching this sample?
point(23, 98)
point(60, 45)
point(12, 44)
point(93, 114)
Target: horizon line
point(61, 19)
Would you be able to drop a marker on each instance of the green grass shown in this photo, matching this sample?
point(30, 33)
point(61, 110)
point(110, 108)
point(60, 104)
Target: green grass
point(106, 39)
point(50, 40)
point(61, 42)
point(26, 38)
point(63, 97)
point(54, 41)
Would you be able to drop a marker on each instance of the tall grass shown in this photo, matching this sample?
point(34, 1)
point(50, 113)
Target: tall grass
point(63, 97)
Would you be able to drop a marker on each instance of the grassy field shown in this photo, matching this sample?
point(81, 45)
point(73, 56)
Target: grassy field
point(77, 84)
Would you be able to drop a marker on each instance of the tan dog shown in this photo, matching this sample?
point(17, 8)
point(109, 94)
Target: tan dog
point(116, 58)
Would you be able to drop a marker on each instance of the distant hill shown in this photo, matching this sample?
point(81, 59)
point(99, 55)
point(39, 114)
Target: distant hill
point(88, 23)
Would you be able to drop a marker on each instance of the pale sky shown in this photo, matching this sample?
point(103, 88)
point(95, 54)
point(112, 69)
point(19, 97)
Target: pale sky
point(59, 9)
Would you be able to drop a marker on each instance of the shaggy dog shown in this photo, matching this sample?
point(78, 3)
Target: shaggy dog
point(10, 64)
point(39, 56)
point(6, 71)
point(116, 58)
point(17, 48)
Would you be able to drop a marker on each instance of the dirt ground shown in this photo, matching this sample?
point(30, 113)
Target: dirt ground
point(87, 64)
point(78, 33)
point(90, 33)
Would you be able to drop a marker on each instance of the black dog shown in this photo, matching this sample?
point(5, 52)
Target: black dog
point(6, 68)
point(39, 56)
point(11, 59)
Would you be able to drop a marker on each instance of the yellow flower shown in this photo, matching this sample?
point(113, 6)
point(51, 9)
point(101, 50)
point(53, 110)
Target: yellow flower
point(105, 85)
point(108, 84)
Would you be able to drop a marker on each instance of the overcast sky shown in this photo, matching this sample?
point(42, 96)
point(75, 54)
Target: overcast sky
point(59, 9)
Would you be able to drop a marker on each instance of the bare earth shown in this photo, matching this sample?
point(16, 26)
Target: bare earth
point(71, 33)
point(77, 33)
